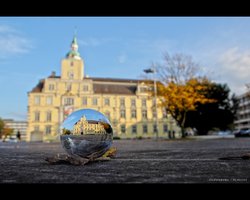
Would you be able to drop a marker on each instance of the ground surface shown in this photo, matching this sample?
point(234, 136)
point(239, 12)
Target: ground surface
point(137, 161)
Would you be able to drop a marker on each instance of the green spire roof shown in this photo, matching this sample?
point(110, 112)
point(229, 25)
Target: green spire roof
point(74, 40)
point(73, 53)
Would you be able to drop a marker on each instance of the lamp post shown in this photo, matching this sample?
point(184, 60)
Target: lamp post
point(153, 70)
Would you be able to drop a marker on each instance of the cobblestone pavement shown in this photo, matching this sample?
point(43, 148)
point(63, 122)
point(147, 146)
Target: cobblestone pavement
point(137, 161)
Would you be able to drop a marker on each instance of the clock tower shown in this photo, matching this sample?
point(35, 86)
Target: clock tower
point(72, 67)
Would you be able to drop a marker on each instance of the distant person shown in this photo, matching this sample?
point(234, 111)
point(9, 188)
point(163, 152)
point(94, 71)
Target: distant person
point(18, 135)
point(169, 134)
point(173, 134)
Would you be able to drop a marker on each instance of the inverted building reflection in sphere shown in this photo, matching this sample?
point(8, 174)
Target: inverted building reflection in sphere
point(86, 133)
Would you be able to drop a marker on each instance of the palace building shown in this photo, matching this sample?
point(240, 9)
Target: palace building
point(87, 127)
point(125, 102)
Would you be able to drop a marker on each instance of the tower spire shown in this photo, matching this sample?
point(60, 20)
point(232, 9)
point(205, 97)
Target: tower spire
point(75, 31)
point(73, 53)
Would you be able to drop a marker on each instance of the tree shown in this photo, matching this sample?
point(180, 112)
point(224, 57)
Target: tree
point(1, 127)
point(248, 90)
point(178, 69)
point(179, 99)
point(182, 87)
point(219, 114)
point(6, 132)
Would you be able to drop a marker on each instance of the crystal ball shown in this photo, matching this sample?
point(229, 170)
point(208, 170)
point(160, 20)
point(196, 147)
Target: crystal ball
point(86, 133)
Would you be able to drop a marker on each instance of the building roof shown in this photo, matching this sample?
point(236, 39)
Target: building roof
point(39, 86)
point(105, 79)
point(114, 89)
point(72, 54)
point(107, 85)
point(53, 75)
point(115, 80)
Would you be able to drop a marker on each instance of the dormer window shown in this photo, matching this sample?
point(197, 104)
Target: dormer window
point(51, 87)
point(85, 88)
point(143, 88)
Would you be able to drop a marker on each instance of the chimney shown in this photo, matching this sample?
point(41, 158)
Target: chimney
point(53, 74)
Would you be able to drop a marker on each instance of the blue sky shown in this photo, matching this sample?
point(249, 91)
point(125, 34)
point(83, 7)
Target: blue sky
point(120, 47)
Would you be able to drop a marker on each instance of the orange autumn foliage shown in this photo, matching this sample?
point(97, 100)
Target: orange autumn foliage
point(181, 98)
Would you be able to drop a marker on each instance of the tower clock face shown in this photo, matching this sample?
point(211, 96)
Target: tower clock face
point(70, 74)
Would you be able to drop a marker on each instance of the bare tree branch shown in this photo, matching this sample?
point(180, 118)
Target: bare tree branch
point(178, 68)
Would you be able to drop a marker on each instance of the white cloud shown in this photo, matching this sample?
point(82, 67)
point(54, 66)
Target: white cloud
point(12, 42)
point(235, 68)
point(220, 62)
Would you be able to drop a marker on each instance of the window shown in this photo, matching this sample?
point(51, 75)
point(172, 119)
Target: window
point(106, 101)
point(85, 88)
point(132, 102)
point(51, 87)
point(49, 100)
point(71, 63)
point(165, 128)
point(68, 101)
point(133, 114)
point(37, 100)
point(123, 128)
point(48, 116)
point(84, 101)
point(144, 114)
point(68, 87)
point(134, 129)
point(155, 128)
point(48, 129)
point(143, 89)
point(153, 102)
point(37, 116)
point(94, 101)
point(122, 102)
point(144, 102)
point(145, 128)
point(154, 114)
point(36, 128)
point(123, 113)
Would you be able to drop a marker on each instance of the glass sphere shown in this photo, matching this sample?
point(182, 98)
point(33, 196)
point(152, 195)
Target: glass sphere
point(86, 133)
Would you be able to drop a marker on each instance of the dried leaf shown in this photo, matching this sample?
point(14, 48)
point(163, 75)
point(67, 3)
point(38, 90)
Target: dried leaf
point(77, 160)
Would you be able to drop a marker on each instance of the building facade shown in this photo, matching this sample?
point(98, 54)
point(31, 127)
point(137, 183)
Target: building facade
point(20, 126)
point(125, 102)
point(83, 126)
point(243, 112)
